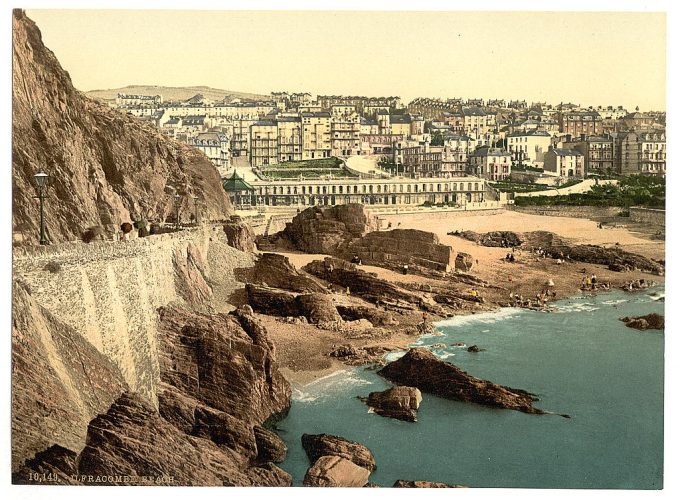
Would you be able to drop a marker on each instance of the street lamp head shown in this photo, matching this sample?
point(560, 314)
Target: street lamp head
point(41, 179)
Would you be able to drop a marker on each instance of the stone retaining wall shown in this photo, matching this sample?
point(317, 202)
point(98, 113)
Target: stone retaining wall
point(110, 291)
point(653, 216)
point(584, 212)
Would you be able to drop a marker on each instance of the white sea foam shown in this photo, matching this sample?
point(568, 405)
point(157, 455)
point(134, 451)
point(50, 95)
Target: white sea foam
point(325, 386)
point(393, 356)
point(614, 302)
point(487, 318)
point(586, 307)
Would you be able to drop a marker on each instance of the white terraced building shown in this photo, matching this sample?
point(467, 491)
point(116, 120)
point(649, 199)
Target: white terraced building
point(465, 191)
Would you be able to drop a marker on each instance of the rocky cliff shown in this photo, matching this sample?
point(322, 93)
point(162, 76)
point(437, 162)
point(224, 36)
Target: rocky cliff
point(103, 165)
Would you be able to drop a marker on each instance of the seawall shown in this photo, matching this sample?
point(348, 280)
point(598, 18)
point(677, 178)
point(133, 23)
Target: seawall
point(109, 292)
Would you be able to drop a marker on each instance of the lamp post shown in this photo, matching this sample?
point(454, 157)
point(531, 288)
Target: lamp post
point(178, 200)
point(41, 179)
point(196, 209)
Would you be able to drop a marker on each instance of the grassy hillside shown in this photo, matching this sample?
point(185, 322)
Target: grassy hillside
point(171, 93)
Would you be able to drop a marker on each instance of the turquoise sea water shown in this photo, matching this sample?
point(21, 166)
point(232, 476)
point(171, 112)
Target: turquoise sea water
point(581, 361)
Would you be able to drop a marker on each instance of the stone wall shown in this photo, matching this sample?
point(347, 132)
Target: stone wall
point(584, 212)
point(653, 216)
point(109, 292)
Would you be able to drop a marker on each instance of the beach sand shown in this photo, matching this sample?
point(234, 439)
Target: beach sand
point(302, 349)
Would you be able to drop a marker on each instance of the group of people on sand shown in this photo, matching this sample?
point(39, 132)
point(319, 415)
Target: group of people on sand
point(639, 284)
point(540, 300)
point(591, 283)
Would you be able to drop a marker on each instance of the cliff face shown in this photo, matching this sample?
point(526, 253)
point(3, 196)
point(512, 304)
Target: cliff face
point(103, 165)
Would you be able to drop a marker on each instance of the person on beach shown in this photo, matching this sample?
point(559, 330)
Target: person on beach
point(126, 229)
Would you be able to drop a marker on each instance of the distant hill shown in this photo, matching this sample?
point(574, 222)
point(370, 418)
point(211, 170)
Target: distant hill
point(173, 93)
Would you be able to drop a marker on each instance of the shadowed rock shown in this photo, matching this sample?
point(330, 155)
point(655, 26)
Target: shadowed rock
point(316, 307)
point(239, 234)
point(56, 461)
point(422, 369)
point(398, 402)
point(652, 321)
point(319, 445)
point(270, 447)
point(335, 471)
point(132, 439)
point(276, 271)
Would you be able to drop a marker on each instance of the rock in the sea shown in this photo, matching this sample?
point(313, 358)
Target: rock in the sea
point(319, 445)
point(422, 369)
point(270, 447)
point(239, 234)
point(335, 471)
point(474, 348)
point(132, 444)
point(652, 321)
point(401, 483)
point(398, 402)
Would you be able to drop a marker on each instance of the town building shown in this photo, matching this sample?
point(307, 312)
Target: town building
point(641, 152)
point(316, 135)
point(471, 192)
point(597, 151)
point(457, 149)
point(215, 145)
point(528, 147)
point(561, 162)
point(493, 164)
point(576, 123)
point(264, 143)
point(289, 131)
point(345, 130)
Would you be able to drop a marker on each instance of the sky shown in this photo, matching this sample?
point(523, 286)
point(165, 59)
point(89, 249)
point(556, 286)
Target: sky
point(587, 58)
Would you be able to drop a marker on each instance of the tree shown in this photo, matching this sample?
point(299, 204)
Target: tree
point(437, 139)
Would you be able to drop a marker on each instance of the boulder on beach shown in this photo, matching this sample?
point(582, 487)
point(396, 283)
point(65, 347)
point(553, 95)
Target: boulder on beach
point(400, 402)
point(422, 369)
point(652, 321)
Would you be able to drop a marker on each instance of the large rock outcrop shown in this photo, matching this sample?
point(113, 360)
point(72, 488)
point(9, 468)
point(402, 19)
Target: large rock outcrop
point(224, 361)
point(132, 440)
point(59, 380)
point(319, 445)
point(318, 308)
point(276, 271)
point(326, 229)
point(219, 386)
point(401, 246)
point(105, 167)
point(422, 369)
point(336, 462)
point(366, 285)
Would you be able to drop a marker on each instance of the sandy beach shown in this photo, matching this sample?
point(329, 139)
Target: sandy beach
point(303, 350)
